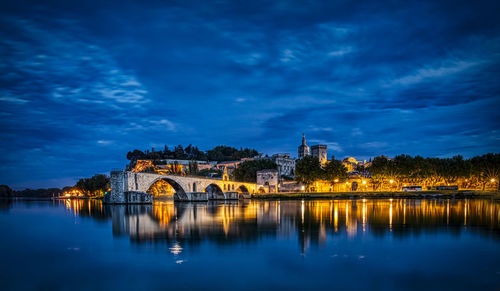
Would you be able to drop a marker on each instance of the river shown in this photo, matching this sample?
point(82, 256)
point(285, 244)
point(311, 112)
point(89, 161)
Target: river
point(379, 244)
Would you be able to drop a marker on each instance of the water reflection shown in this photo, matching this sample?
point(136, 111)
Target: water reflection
point(312, 222)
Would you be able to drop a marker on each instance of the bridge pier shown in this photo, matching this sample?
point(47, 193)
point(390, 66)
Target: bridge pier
point(120, 193)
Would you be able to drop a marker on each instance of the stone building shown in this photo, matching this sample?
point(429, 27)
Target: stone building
point(303, 148)
point(268, 179)
point(319, 151)
point(286, 165)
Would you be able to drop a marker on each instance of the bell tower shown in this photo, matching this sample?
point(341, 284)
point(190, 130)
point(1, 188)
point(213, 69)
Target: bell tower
point(303, 148)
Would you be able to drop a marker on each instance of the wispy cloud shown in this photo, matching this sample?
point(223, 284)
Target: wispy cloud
point(429, 72)
point(15, 100)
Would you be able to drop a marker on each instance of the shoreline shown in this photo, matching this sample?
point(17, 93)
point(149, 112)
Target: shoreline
point(464, 194)
point(445, 194)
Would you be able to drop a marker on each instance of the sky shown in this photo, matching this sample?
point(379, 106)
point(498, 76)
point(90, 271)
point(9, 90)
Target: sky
point(84, 82)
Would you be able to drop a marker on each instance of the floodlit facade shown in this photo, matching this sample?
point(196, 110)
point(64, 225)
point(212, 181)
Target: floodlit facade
point(286, 165)
point(319, 151)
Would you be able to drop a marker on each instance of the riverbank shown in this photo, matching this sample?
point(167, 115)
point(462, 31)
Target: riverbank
point(382, 195)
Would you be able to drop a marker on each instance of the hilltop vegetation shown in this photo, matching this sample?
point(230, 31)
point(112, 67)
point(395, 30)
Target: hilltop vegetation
point(247, 171)
point(219, 154)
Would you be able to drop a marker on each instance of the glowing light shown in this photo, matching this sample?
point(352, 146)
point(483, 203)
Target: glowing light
point(492, 180)
point(364, 182)
point(391, 181)
point(336, 180)
point(176, 249)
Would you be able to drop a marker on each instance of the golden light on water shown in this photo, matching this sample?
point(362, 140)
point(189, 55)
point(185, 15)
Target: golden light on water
point(166, 219)
point(390, 215)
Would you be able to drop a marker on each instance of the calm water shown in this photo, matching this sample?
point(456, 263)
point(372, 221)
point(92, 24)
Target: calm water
point(330, 244)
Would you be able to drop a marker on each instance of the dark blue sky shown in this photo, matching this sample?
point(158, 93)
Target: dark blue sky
point(84, 82)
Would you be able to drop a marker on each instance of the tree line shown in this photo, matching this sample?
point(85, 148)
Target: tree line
point(7, 192)
point(219, 153)
point(475, 172)
point(97, 185)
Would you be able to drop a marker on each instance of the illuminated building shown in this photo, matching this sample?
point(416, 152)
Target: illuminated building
point(269, 179)
point(319, 151)
point(286, 165)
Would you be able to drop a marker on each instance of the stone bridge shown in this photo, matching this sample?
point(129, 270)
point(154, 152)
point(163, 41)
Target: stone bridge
point(131, 187)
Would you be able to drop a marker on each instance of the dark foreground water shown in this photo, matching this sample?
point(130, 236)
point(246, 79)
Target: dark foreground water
point(251, 245)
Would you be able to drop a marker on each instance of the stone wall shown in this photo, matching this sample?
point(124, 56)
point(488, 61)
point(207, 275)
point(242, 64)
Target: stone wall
point(132, 182)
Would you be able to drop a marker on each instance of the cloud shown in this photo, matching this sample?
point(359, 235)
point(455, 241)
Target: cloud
point(336, 70)
point(14, 100)
point(434, 72)
point(340, 52)
point(63, 67)
point(164, 123)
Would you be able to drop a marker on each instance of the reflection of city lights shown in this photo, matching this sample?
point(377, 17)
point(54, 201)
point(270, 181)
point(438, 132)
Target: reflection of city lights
point(302, 208)
point(176, 249)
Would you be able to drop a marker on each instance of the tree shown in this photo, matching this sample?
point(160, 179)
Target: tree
point(485, 168)
point(334, 170)
point(193, 168)
point(96, 185)
point(247, 171)
point(6, 192)
point(135, 155)
point(224, 153)
point(381, 170)
point(179, 152)
point(308, 170)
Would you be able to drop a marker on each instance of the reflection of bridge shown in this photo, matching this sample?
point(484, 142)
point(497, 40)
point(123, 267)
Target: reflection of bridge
point(131, 187)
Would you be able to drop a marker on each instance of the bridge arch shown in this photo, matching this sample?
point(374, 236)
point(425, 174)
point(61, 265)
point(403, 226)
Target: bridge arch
point(243, 189)
point(214, 191)
point(178, 190)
